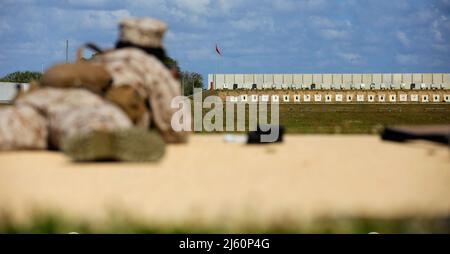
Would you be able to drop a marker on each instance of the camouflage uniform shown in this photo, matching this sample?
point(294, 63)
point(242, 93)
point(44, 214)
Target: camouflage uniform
point(48, 116)
point(144, 72)
point(55, 114)
point(22, 128)
point(153, 81)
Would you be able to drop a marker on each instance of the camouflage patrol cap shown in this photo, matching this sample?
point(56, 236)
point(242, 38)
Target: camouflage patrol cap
point(144, 32)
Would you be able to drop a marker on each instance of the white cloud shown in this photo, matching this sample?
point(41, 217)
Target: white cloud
point(87, 4)
point(350, 57)
point(227, 5)
point(252, 22)
point(406, 59)
point(436, 31)
point(4, 27)
point(284, 5)
point(183, 40)
point(401, 36)
point(330, 28)
point(442, 47)
point(321, 22)
point(201, 54)
point(425, 15)
point(103, 19)
point(333, 34)
point(195, 6)
point(299, 5)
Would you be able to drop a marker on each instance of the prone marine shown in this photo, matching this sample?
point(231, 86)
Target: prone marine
point(117, 106)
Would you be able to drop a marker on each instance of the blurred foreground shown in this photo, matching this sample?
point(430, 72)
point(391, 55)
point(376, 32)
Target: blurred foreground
point(347, 184)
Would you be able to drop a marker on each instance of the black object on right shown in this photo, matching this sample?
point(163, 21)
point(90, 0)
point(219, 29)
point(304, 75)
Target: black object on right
point(254, 137)
point(439, 133)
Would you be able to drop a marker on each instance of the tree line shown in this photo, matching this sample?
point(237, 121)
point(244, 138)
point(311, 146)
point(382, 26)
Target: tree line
point(21, 76)
point(189, 80)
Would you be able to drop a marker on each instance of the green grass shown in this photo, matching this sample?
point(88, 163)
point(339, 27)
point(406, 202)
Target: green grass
point(359, 118)
point(355, 118)
point(51, 223)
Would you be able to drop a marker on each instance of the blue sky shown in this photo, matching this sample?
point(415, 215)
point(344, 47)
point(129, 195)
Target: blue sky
point(255, 36)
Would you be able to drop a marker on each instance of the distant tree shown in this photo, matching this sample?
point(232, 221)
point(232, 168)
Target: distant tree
point(172, 63)
point(21, 76)
point(189, 81)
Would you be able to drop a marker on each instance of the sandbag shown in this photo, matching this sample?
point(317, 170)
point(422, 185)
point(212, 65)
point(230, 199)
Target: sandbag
point(91, 76)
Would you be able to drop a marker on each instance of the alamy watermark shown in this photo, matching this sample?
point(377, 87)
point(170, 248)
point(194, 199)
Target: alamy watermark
point(213, 120)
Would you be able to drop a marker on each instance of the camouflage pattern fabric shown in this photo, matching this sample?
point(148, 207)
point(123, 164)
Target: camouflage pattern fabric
point(54, 114)
point(152, 80)
point(134, 105)
point(22, 127)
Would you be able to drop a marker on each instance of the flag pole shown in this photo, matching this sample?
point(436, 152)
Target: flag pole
point(67, 51)
point(217, 70)
point(217, 66)
point(219, 55)
point(218, 60)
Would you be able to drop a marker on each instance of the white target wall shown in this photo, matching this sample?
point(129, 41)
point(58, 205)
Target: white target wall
point(361, 81)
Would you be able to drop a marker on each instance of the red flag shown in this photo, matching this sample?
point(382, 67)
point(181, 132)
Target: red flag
point(218, 50)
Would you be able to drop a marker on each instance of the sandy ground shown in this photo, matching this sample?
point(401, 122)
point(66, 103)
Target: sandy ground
point(211, 181)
